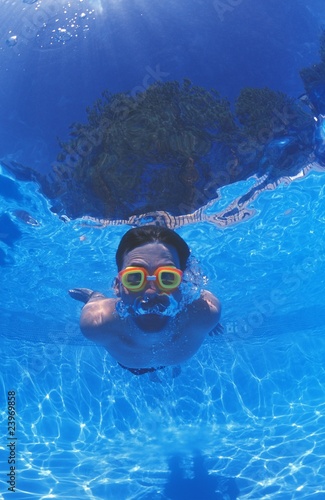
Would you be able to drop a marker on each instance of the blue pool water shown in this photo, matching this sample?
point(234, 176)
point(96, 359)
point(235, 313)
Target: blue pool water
point(245, 418)
point(250, 403)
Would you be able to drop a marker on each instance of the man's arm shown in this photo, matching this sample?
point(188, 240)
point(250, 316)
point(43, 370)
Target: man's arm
point(205, 311)
point(99, 319)
point(98, 316)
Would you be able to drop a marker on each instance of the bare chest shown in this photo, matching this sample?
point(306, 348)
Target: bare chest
point(137, 349)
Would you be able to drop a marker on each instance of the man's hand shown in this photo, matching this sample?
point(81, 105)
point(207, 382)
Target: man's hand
point(217, 330)
point(85, 294)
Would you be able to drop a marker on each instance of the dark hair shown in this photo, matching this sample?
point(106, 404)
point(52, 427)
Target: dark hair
point(152, 234)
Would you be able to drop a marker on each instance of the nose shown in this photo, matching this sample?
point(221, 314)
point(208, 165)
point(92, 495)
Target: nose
point(151, 287)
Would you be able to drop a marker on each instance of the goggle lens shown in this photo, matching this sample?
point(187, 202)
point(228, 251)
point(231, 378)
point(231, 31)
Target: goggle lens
point(133, 279)
point(169, 279)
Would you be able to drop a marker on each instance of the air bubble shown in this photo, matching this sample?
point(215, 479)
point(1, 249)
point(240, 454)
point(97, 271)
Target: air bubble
point(12, 41)
point(63, 35)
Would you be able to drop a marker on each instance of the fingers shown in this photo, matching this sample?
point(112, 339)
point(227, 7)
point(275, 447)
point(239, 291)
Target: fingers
point(81, 294)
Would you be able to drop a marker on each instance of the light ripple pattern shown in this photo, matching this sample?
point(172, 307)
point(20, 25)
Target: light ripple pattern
point(250, 403)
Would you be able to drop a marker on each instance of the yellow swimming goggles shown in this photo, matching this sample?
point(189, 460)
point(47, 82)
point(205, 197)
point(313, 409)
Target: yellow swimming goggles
point(134, 279)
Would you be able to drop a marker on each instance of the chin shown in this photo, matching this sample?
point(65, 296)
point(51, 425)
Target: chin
point(151, 322)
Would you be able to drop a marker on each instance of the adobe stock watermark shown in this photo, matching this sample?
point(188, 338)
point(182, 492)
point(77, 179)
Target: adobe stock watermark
point(35, 19)
point(264, 308)
point(52, 349)
point(89, 139)
point(245, 152)
point(223, 7)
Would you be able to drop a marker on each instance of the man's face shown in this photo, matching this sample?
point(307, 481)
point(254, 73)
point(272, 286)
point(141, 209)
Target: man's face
point(149, 257)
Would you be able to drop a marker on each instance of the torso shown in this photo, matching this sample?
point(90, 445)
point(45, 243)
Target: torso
point(178, 341)
point(134, 348)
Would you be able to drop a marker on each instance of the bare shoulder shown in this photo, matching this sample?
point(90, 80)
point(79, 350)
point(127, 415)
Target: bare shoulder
point(212, 301)
point(97, 317)
point(205, 312)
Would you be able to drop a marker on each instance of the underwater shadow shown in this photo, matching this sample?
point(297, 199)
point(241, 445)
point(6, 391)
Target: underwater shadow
point(9, 231)
point(200, 485)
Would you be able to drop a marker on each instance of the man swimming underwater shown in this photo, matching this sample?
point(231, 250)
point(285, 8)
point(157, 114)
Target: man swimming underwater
point(140, 327)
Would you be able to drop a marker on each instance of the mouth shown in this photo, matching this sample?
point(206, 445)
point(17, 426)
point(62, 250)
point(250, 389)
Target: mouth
point(154, 305)
point(149, 309)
